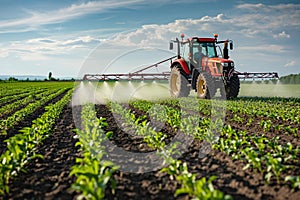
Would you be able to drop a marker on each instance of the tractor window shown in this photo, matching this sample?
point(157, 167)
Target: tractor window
point(209, 50)
point(197, 52)
point(219, 51)
point(185, 51)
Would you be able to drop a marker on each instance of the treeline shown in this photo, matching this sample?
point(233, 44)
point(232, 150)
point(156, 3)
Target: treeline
point(290, 79)
point(13, 79)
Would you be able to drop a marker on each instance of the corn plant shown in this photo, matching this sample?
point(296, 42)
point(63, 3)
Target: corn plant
point(295, 181)
point(93, 175)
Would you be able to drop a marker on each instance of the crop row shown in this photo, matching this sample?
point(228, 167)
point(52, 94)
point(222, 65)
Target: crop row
point(189, 123)
point(21, 148)
point(12, 98)
point(247, 114)
point(198, 189)
point(21, 114)
point(92, 173)
point(24, 100)
point(265, 155)
point(276, 108)
point(10, 89)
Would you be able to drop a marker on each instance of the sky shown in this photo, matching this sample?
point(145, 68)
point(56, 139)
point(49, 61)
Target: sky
point(70, 38)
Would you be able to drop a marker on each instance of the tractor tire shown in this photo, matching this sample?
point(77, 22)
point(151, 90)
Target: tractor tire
point(205, 86)
point(178, 83)
point(232, 90)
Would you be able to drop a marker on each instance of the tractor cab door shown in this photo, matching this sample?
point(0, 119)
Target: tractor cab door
point(185, 54)
point(197, 55)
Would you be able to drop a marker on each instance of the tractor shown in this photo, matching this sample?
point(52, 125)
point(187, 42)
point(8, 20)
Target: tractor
point(202, 66)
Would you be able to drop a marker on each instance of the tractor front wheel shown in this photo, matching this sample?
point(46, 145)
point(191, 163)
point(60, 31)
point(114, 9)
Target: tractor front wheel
point(232, 90)
point(178, 83)
point(205, 86)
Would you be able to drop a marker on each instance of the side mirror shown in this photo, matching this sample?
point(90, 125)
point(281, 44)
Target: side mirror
point(231, 45)
point(171, 46)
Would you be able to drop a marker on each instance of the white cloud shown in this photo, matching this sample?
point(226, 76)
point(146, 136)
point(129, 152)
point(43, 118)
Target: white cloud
point(3, 53)
point(251, 7)
point(258, 24)
point(261, 18)
point(268, 8)
point(42, 48)
point(155, 35)
point(57, 16)
point(81, 40)
point(290, 63)
point(266, 48)
point(283, 34)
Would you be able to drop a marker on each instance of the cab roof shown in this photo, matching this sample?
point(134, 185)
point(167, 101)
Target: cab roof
point(203, 39)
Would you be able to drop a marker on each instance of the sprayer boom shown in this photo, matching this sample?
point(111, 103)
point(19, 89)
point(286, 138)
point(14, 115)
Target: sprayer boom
point(137, 75)
point(130, 76)
point(257, 75)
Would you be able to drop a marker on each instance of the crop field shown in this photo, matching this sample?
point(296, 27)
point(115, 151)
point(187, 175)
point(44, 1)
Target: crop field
point(60, 140)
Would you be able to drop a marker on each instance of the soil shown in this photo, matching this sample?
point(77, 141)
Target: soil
point(49, 178)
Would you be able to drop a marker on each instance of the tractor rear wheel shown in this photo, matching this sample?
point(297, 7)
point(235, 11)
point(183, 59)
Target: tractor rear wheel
point(232, 90)
point(178, 83)
point(205, 86)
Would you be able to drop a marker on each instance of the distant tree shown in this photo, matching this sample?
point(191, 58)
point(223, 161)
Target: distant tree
point(12, 79)
point(290, 79)
point(50, 76)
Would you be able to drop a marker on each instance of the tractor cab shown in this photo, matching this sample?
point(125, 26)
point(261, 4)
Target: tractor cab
point(205, 54)
point(197, 51)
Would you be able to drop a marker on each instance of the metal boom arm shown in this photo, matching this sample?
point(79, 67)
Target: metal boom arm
point(257, 75)
point(134, 75)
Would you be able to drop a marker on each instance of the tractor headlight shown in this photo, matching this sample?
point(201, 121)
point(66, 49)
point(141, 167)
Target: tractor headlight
point(224, 64)
point(232, 64)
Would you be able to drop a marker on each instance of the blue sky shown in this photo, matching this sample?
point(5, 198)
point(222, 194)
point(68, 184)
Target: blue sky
point(70, 38)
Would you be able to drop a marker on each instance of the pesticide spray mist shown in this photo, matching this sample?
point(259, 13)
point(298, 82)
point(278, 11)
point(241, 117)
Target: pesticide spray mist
point(119, 91)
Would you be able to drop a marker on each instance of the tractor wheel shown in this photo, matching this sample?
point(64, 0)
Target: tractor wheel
point(205, 86)
point(232, 90)
point(178, 83)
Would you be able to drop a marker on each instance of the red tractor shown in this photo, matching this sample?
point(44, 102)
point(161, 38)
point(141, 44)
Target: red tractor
point(199, 66)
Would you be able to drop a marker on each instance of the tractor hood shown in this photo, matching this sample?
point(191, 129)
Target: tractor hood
point(220, 60)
